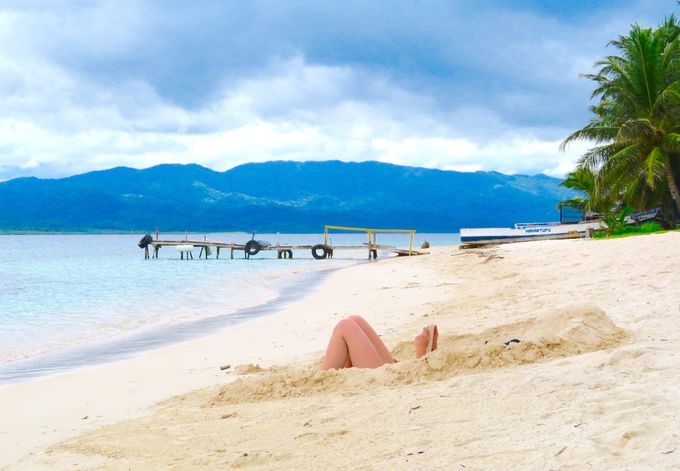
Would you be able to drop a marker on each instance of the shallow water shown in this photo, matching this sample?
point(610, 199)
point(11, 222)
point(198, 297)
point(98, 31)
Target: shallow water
point(61, 293)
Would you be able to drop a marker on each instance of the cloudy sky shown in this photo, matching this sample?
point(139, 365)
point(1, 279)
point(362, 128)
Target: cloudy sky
point(464, 85)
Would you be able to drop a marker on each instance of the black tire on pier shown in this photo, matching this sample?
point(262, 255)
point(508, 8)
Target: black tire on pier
point(252, 247)
point(290, 253)
point(145, 241)
point(324, 251)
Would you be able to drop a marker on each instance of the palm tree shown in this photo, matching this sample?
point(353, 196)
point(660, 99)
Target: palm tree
point(636, 124)
point(583, 181)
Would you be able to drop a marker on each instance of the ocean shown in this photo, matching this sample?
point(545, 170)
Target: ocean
point(74, 300)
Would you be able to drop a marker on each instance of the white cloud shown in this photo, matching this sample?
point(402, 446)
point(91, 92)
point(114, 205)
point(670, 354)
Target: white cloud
point(66, 108)
point(301, 112)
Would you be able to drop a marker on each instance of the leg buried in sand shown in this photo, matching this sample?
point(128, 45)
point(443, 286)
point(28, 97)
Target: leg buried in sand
point(355, 343)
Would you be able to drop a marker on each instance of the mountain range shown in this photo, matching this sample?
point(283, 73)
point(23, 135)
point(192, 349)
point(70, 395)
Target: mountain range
point(277, 196)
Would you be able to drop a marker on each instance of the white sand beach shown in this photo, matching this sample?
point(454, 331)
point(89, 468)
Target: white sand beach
point(591, 384)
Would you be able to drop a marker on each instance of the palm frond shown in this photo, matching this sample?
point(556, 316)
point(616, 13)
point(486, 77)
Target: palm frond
point(595, 157)
point(592, 132)
point(671, 141)
point(655, 166)
point(634, 129)
point(572, 203)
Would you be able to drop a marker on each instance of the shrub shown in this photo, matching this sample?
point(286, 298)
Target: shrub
point(645, 228)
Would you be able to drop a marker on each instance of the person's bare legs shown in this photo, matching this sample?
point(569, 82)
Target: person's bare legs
point(421, 341)
point(350, 346)
point(374, 338)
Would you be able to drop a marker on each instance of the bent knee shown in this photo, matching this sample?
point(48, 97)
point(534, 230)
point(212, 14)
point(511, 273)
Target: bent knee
point(356, 318)
point(343, 325)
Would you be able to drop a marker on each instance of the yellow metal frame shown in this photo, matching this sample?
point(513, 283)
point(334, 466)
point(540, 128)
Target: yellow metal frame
point(370, 232)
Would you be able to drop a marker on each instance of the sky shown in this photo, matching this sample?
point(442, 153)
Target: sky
point(455, 85)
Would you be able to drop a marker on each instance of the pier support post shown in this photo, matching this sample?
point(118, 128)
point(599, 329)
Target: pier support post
point(369, 244)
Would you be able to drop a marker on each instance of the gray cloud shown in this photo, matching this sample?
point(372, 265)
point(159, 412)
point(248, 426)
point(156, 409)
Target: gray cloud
point(442, 84)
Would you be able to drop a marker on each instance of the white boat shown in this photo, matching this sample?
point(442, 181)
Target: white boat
point(527, 230)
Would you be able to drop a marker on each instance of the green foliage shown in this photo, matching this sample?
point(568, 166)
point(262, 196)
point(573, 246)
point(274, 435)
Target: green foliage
point(646, 228)
point(582, 180)
point(615, 222)
point(636, 123)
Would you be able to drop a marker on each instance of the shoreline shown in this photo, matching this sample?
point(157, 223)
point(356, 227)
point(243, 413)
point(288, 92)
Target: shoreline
point(139, 382)
point(147, 339)
point(53, 311)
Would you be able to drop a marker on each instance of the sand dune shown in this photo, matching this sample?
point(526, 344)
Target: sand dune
point(592, 383)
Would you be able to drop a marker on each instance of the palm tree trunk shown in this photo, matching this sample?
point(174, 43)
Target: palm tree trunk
point(672, 185)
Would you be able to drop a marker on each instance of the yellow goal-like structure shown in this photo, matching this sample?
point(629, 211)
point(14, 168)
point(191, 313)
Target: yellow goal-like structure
point(371, 234)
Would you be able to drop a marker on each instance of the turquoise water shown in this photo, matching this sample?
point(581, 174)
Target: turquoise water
point(60, 292)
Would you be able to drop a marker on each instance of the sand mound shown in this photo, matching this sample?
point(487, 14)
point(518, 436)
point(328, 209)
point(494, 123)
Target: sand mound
point(566, 332)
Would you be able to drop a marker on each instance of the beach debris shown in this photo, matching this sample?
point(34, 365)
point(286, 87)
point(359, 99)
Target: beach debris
point(84, 418)
point(508, 342)
point(490, 258)
point(247, 369)
point(414, 408)
point(446, 284)
point(561, 451)
point(225, 367)
point(227, 416)
point(669, 451)
point(308, 423)
point(419, 452)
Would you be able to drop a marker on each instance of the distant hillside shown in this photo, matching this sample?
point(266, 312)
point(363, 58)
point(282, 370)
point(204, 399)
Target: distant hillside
point(277, 196)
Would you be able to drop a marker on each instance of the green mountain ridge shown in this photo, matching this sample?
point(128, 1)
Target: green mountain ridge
point(278, 196)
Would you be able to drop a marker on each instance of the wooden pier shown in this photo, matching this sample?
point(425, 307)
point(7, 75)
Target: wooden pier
point(284, 251)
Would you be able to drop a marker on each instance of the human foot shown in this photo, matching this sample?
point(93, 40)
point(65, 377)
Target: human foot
point(422, 341)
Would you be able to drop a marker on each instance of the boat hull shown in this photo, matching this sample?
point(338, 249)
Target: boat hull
point(502, 233)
